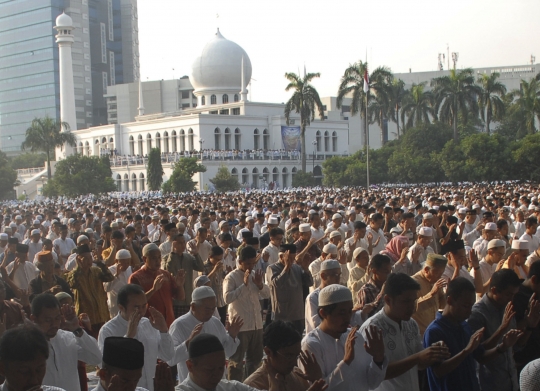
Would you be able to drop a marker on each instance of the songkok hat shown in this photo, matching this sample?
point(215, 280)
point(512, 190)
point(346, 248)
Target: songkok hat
point(201, 281)
point(520, 245)
point(81, 238)
point(337, 216)
point(149, 247)
point(272, 220)
point(44, 256)
point(62, 295)
point(202, 292)
point(252, 241)
point(4, 237)
point(123, 254)
point(288, 247)
point(334, 234)
point(123, 353)
point(204, 344)
point(427, 216)
point(247, 234)
point(22, 248)
point(84, 249)
point(358, 251)
point(334, 294)
point(330, 249)
point(35, 232)
point(304, 227)
point(433, 258)
point(425, 231)
point(491, 227)
point(330, 264)
point(455, 245)
point(496, 243)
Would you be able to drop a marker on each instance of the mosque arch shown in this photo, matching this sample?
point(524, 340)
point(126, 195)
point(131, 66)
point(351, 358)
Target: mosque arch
point(266, 139)
point(190, 139)
point(237, 139)
point(245, 175)
point(256, 139)
point(141, 179)
point(326, 141)
point(217, 139)
point(126, 182)
point(140, 142)
point(158, 141)
point(174, 142)
point(255, 177)
point(227, 139)
point(131, 145)
point(166, 142)
point(225, 98)
point(134, 182)
point(182, 140)
point(318, 139)
point(213, 99)
point(334, 142)
point(148, 143)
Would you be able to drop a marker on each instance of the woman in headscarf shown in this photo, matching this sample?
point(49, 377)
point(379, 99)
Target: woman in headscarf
point(397, 249)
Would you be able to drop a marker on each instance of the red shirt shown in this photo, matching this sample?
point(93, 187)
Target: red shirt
point(162, 299)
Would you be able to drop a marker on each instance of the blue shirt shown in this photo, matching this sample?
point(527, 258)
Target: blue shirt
point(456, 337)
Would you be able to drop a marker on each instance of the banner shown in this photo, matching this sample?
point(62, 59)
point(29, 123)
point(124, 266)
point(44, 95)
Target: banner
point(290, 136)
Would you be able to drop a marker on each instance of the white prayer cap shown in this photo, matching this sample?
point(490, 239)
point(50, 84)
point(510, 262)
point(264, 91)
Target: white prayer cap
point(491, 227)
point(330, 249)
point(222, 223)
point(330, 264)
point(13, 225)
point(520, 245)
point(334, 234)
point(334, 294)
point(81, 238)
point(329, 206)
point(4, 237)
point(7, 229)
point(436, 207)
point(119, 220)
point(18, 217)
point(149, 247)
point(123, 254)
point(312, 212)
point(529, 379)
point(201, 281)
point(39, 218)
point(36, 222)
point(182, 218)
point(476, 206)
point(71, 221)
point(496, 243)
point(202, 292)
point(396, 230)
point(337, 216)
point(462, 210)
point(272, 220)
point(425, 231)
point(304, 227)
point(89, 230)
point(358, 251)
point(114, 224)
point(35, 232)
point(427, 216)
point(250, 218)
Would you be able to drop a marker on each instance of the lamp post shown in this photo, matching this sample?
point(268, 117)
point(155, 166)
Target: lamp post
point(314, 142)
point(201, 142)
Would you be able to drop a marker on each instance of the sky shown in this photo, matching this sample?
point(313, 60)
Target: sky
point(326, 36)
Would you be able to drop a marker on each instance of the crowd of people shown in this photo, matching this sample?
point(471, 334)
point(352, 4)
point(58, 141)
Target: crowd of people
point(420, 288)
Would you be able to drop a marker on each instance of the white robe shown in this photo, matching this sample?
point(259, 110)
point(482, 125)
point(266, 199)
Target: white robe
point(223, 385)
point(114, 286)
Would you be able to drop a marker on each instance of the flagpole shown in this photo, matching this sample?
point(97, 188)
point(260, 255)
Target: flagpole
point(367, 141)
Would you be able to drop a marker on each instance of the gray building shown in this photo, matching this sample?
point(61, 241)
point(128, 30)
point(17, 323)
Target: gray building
point(105, 52)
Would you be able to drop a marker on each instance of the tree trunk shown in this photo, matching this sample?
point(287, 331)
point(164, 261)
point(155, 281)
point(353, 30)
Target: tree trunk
point(397, 120)
point(303, 146)
point(456, 138)
point(49, 173)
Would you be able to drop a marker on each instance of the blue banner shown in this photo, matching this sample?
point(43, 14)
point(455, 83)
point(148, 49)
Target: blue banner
point(290, 135)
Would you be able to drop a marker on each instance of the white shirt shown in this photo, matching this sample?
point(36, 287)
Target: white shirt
point(315, 270)
point(33, 248)
point(470, 234)
point(23, 275)
point(180, 331)
point(156, 345)
point(449, 272)
point(351, 245)
point(362, 374)
point(65, 247)
point(519, 228)
point(533, 241)
point(424, 251)
point(114, 286)
point(533, 257)
point(486, 271)
point(376, 235)
point(244, 300)
point(480, 245)
point(273, 258)
point(223, 385)
point(400, 342)
point(3, 387)
point(317, 233)
point(64, 351)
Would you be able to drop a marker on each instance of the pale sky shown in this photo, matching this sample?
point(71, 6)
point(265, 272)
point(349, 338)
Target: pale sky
point(280, 36)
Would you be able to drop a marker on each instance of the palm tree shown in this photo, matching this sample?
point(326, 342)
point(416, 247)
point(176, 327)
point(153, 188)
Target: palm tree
point(490, 98)
point(378, 108)
point(528, 102)
point(419, 106)
point(352, 84)
point(47, 134)
point(455, 94)
point(305, 100)
point(397, 95)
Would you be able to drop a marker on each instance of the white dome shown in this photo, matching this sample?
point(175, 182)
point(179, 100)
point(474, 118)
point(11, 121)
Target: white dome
point(64, 20)
point(219, 67)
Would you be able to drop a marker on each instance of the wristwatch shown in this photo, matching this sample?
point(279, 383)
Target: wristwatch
point(78, 332)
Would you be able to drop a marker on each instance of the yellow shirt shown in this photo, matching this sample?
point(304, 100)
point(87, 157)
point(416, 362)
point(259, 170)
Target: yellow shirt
point(427, 305)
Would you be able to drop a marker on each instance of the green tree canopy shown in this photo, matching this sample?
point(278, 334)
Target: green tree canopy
point(78, 175)
point(28, 160)
point(303, 179)
point(154, 170)
point(8, 178)
point(181, 178)
point(224, 181)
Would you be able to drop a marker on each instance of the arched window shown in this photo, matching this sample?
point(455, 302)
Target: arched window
point(87, 146)
point(225, 98)
point(237, 139)
point(166, 142)
point(131, 145)
point(213, 100)
point(217, 139)
point(134, 182)
point(256, 137)
point(118, 182)
point(275, 174)
point(285, 176)
point(203, 100)
point(318, 139)
point(255, 178)
point(190, 139)
point(140, 141)
point(266, 139)
point(182, 140)
point(266, 174)
point(334, 142)
point(141, 179)
point(80, 150)
point(126, 182)
point(326, 142)
point(111, 143)
point(245, 176)
point(173, 140)
point(234, 174)
point(148, 143)
point(227, 139)
point(293, 173)
point(158, 141)
point(236, 98)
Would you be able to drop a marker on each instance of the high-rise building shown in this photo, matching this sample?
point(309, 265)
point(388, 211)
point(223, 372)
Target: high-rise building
point(105, 52)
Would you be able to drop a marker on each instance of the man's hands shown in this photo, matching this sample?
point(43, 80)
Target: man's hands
point(533, 312)
point(234, 326)
point(374, 344)
point(71, 322)
point(434, 354)
point(158, 282)
point(196, 331)
point(349, 346)
point(507, 317)
point(258, 279)
point(474, 341)
point(312, 370)
point(157, 320)
point(162, 379)
point(133, 323)
point(437, 286)
point(510, 338)
point(474, 262)
point(180, 277)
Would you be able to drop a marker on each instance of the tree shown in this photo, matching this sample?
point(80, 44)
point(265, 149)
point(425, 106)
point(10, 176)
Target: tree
point(47, 134)
point(181, 178)
point(526, 154)
point(419, 107)
point(490, 98)
point(154, 170)
point(305, 100)
point(303, 179)
point(397, 94)
point(78, 174)
point(334, 171)
point(528, 103)
point(28, 160)
point(455, 94)
point(8, 177)
point(224, 181)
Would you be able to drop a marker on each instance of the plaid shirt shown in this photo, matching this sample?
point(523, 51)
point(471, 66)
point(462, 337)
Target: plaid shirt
point(368, 294)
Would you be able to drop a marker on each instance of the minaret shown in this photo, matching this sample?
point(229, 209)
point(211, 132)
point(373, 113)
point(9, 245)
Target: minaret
point(64, 38)
point(243, 92)
point(141, 103)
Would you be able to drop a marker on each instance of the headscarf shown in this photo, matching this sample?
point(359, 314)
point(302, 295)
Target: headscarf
point(395, 247)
